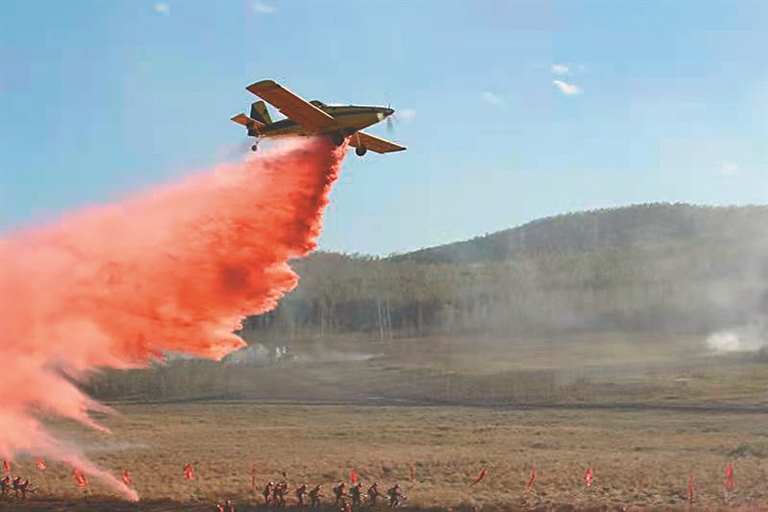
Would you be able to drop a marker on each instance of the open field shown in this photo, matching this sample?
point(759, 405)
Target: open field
point(640, 459)
point(606, 368)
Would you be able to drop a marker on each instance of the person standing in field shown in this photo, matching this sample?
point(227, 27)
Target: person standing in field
point(5, 485)
point(356, 491)
point(373, 494)
point(283, 491)
point(300, 492)
point(341, 492)
point(314, 497)
point(268, 490)
point(394, 496)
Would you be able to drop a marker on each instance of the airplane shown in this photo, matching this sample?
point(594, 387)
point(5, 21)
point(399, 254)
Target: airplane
point(306, 118)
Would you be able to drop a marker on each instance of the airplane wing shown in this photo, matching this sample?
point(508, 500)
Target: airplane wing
point(294, 107)
point(373, 143)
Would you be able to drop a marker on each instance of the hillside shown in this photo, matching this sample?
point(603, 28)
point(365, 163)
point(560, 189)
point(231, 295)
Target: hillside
point(655, 268)
point(633, 226)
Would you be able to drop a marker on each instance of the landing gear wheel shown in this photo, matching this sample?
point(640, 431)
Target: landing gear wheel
point(337, 139)
point(255, 148)
point(361, 150)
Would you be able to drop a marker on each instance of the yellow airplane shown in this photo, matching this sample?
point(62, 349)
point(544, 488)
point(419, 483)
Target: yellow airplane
point(313, 118)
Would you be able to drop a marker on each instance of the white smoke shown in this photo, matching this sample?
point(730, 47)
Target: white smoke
point(751, 338)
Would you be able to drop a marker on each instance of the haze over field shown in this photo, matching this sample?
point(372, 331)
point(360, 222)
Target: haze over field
point(647, 304)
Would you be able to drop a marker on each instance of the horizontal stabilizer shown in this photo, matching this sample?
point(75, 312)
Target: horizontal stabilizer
point(245, 121)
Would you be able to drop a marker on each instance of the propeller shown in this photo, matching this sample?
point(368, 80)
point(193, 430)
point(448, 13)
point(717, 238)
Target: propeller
point(390, 122)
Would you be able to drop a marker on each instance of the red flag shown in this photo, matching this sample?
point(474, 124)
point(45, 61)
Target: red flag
point(40, 464)
point(80, 478)
point(353, 476)
point(729, 483)
point(691, 490)
point(189, 472)
point(532, 479)
point(588, 477)
point(127, 477)
point(413, 473)
point(479, 478)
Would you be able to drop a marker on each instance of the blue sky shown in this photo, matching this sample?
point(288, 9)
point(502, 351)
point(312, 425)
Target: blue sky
point(513, 111)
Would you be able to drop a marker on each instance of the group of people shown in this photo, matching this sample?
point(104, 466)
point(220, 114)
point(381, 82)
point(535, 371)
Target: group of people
point(275, 493)
point(20, 487)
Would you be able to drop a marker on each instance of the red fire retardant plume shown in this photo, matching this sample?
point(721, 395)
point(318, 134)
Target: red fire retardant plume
point(175, 269)
point(479, 478)
point(189, 471)
point(588, 477)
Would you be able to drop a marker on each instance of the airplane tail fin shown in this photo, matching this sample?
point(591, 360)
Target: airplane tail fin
point(260, 113)
point(252, 124)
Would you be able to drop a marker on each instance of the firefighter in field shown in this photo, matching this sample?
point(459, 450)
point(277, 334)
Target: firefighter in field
point(395, 496)
point(5, 485)
point(20, 488)
point(356, 492)
point(280, 490)
point(300, 492)
point(314, 496)
point(340, 491)
point(226, 507)
point(373, 494)
point(268, 490)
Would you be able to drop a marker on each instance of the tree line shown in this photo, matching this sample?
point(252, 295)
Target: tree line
point(674, 268)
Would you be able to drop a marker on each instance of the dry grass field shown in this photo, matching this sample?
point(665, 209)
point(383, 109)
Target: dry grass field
point(641, 459)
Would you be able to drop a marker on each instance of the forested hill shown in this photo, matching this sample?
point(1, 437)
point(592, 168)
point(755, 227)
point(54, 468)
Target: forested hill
point(615, 227)
point(649, 268)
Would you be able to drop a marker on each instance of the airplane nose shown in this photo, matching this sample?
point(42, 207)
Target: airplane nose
point(389, 111)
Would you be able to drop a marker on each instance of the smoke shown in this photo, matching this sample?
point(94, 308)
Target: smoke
point(172, 269)
point(748, 338)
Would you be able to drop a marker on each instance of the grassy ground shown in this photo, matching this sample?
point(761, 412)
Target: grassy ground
point(581, 369)
point(644, 413)
point(640, 459)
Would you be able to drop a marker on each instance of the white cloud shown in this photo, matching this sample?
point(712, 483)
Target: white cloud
point(567, 88)
point(492, 99)
point(729, 168)
point(560, 69)
point(263, 8)
point(406, 114)
point(162, 8)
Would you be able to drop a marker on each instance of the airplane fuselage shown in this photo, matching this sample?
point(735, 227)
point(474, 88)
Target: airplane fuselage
point(350, 118)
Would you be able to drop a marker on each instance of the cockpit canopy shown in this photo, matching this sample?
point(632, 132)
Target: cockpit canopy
point(318, 103)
